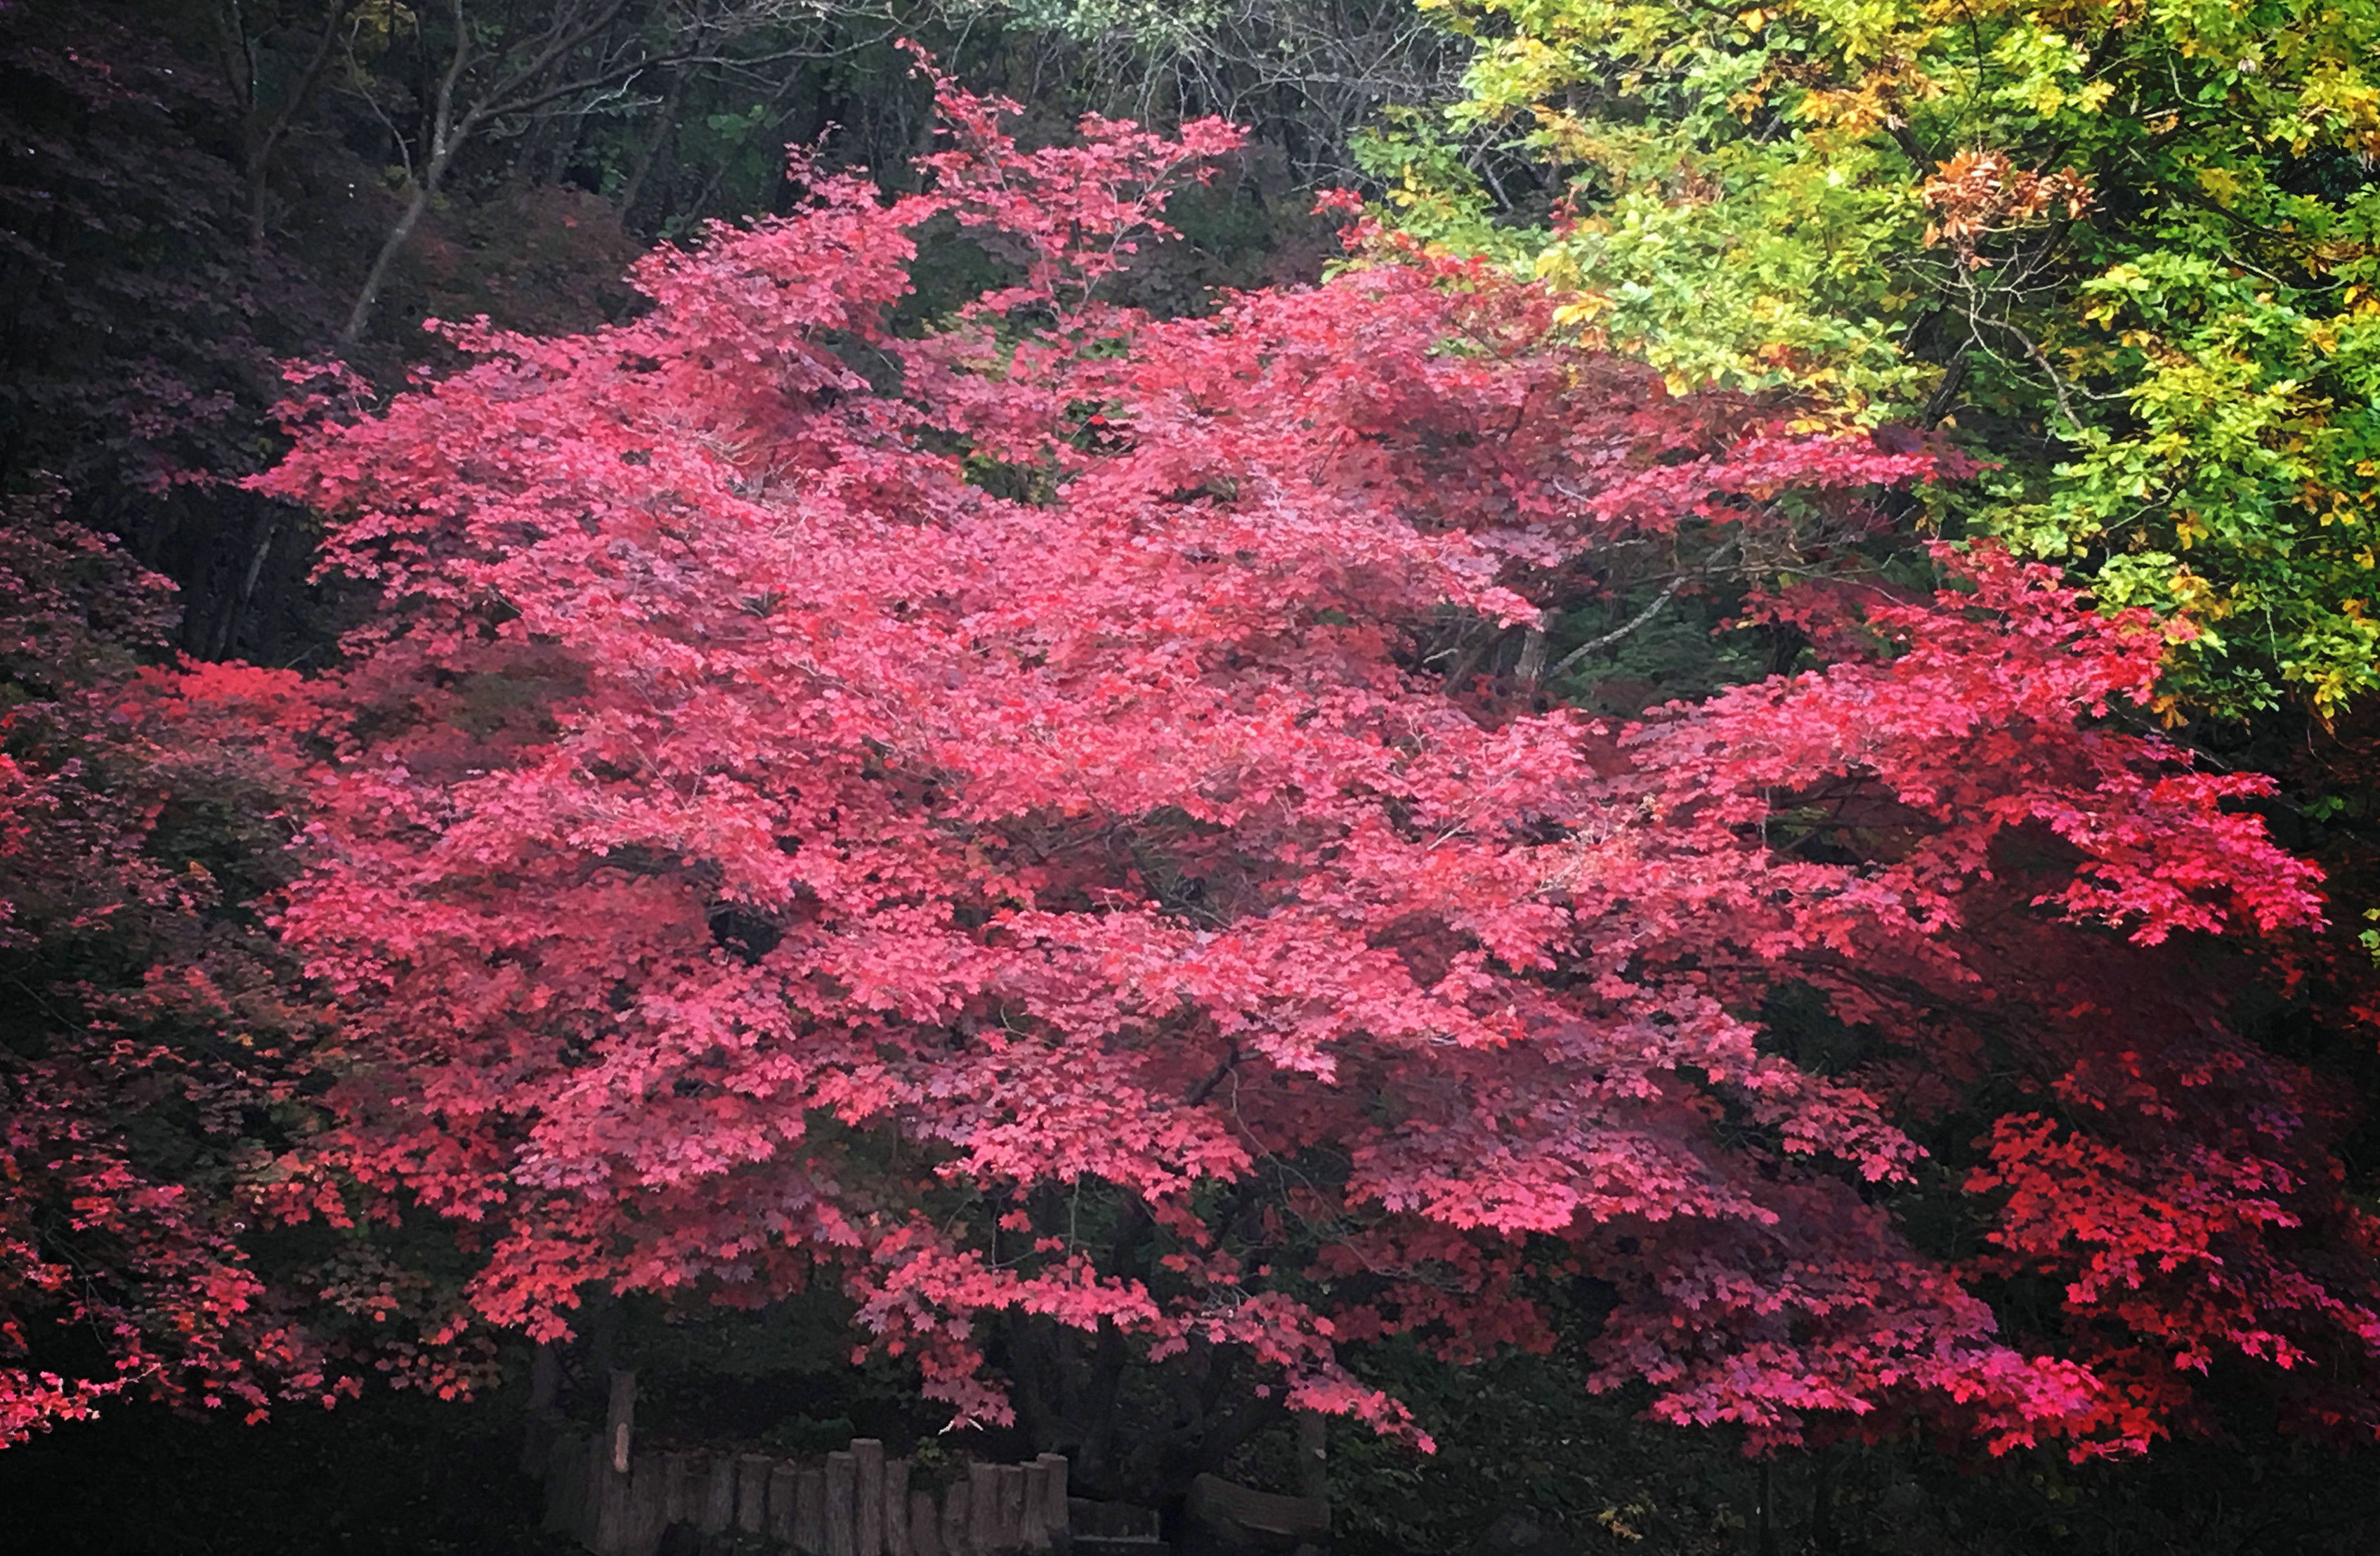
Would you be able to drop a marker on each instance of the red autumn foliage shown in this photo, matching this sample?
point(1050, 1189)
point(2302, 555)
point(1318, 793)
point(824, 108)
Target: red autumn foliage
point(145, 1029)
point(976, 819)
point(2178, 1189)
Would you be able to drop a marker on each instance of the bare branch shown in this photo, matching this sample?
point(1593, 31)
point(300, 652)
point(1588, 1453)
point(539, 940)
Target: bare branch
point(1643, 618)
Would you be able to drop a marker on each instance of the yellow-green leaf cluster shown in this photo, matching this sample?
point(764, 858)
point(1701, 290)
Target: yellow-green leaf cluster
point(1872, 205)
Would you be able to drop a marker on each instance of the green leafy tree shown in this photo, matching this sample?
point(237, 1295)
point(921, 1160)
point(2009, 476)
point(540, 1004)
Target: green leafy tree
point(2130, 248)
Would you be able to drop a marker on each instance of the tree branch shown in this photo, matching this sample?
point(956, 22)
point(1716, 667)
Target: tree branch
point(1660, 601)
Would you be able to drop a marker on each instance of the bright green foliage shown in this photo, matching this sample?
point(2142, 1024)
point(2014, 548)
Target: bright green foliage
point(2172, 351)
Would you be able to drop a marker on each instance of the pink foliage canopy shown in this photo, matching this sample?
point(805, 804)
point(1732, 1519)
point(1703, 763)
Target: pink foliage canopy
point(817, 800)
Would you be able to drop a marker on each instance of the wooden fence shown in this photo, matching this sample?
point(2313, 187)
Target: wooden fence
point(617, 1501)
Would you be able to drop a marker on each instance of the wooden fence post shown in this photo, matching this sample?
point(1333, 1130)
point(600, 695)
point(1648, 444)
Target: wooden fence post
point(1032, 1531)
point(897, 1508)
point(810, 1514)
point(719, 1496)
point(925, 1525)
point(1009, 1528)
point(785, 1481)
point(983, 1508)
point(594, 1475)
point(752, 1492)
point(958, 1520)
point(1055, 1516)
point(868, 1493)
point(648, 1507)
point(681, 1493)
point(841, 1478)
point(620, 1420)
point(610, 1536)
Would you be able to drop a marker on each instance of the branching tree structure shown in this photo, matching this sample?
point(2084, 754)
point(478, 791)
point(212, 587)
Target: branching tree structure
point(995, 820)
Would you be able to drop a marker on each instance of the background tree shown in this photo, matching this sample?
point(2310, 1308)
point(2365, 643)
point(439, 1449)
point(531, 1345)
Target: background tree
point(2125, 248)
point(485, 67)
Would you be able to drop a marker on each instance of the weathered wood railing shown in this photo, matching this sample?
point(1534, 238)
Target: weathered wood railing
point(618, 1501)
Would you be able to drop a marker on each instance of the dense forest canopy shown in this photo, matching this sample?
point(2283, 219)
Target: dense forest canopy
point(1107, 726)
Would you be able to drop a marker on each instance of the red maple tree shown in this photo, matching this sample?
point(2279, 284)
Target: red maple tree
point(985, 819)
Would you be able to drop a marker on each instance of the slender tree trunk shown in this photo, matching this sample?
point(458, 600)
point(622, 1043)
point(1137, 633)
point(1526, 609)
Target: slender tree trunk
point(544, 1419)
point(1532, 667)
point(1097, 1457)
point(1313, 1456)
point(1109, 1357)
point(235, 613)
point(527, 88)
point(377, 277)
point(446, 134)
point(664, 130)
point(263, 143)
point(768, 117)
point(1822, 1504)
point(620, 1420)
